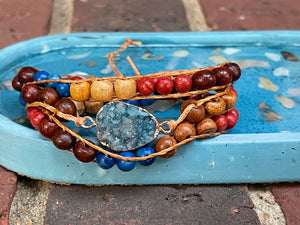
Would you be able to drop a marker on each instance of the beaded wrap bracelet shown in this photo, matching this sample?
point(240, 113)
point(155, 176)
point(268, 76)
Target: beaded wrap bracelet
point(53, 99)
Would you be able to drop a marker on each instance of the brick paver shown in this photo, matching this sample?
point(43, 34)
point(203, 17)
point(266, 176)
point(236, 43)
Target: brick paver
point(21, 20)
point(217, 204)
point(288, 197)
point(134, 15)
point(172, 204)
point(252, 15)
point(8, 186)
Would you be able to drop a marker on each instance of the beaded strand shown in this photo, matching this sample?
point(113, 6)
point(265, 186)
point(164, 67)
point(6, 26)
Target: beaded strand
point(52, 99)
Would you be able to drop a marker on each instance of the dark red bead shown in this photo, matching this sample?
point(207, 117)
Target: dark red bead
point(16, 84)
point(63, 140)
point(84, 153)
point(164, 85)
point(235, 69)
point(203, 79)
point(47, 127)
point(76, 78)
point(26, 74)
point(221, 122)
point(183, 83)
point(66, 105)
point(223, 75)
point(235, 112)
point(145, 86)
point(48, 95)
point(30, 93)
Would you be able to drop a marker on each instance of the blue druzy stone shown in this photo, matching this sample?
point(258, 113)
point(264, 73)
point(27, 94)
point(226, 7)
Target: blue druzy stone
point(124, 127)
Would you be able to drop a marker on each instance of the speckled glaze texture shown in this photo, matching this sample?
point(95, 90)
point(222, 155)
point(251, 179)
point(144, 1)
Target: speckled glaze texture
point(264, 146)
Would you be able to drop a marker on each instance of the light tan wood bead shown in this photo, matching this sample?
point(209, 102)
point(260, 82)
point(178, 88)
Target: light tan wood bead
point(230, 100)
point(215, 107)
point(102, 90)
point(125, 89)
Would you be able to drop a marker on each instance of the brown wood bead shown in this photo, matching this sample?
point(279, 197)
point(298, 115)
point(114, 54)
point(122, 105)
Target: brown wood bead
point(48, 95)
point(80, 107)
point(184, 131)
point(215, 107)
point(80, 91)
point(66, 106)
point(102, 90)
point(63, 140)
point(125, 89)
point(84, 153)
point(163, 143)
point(230, 100)
point(30, 93)
point(206, 125)
point(93, 107)
point(196, 114)
point(47, 127)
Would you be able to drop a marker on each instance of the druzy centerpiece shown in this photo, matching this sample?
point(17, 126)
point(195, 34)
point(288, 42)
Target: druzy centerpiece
point(124, 127)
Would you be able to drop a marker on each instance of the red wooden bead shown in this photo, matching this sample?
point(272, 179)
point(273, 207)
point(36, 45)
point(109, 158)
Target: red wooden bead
point(31, 111)
point(221, 122)
point(36, 118)
point(164, 85)
point(145, 86)
point(183, 83)
point(76, 78)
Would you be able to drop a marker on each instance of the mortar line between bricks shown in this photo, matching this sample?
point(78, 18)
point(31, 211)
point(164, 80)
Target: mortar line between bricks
point(195, 15)
point(62, 14)
point(269, 212)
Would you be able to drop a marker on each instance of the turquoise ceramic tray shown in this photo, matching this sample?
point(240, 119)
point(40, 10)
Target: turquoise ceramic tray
point(263, 147)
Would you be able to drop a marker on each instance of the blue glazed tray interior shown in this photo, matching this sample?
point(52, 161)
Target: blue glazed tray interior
point(250, 95)
point(264, 146)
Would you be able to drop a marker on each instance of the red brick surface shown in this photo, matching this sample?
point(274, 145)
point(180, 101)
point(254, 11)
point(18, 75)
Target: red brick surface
point(288, 197)
point(133, 15)
point(252, 15)
point(169, 204)
point(8, 186)
point(21, 20)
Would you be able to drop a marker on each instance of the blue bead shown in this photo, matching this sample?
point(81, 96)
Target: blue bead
point(144, 152)
point(21, 100)
point(132, 102)
point(63, 89)
point(147, 102)
point(105, 162)
point(52, 77)
point(41, 75)
point(126, 165)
